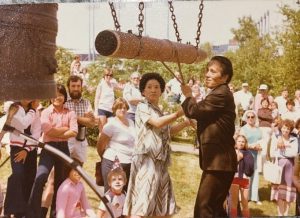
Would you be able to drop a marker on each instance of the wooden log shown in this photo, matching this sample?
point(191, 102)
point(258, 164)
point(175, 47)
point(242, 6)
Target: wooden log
point(127, 45)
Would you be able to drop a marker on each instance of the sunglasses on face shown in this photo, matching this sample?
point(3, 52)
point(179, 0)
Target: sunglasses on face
point(252, 117)
point(109, 75)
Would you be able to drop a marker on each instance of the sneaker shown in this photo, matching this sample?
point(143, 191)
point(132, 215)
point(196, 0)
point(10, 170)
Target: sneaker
point(258, 203)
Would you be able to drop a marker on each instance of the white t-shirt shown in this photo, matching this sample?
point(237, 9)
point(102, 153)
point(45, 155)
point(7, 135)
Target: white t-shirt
point(122, 140)
point(175, 86)
point(244, 98)
point(281, 101)
point(131, 92)
point(106, 95)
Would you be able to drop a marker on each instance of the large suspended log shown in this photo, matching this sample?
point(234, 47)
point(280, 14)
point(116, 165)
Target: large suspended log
point(27, 50)
point(127, 45)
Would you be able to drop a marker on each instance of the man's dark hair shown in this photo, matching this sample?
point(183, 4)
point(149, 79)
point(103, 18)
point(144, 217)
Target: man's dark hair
point(62, 90)
point(149, 76)
point(74, 78)
point(225, 64)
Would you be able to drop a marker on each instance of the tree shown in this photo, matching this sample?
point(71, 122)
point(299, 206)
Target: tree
point(289, 42)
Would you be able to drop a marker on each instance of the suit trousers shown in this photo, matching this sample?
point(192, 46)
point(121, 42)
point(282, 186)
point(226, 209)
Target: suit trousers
point(212, 192)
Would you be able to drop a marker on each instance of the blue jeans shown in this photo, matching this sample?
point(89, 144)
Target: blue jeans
point(20, 182)
point(106, 167)
point(47, 162)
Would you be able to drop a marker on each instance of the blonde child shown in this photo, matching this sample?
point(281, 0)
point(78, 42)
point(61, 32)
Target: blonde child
point(241, 181)
point(115, 195)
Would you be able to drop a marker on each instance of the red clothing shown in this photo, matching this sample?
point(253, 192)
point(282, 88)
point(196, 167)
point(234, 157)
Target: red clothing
point(52, 118)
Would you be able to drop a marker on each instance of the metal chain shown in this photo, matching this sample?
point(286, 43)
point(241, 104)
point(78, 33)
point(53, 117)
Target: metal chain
point(114, 15)
point(173, 17)
point(141, 19)
point(199, 24)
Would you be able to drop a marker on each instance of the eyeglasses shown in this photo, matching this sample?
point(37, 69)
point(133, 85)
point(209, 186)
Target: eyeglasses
point(252, 117)
point(109, 75)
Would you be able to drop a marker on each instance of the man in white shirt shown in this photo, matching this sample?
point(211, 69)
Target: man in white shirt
point(281, 101)
point(244, 97)
point(173, 89)
point(132, 94)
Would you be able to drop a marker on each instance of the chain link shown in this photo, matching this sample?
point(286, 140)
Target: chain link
point(199, 24)
point(114, 15)
point(173, 17)
point(141, 18)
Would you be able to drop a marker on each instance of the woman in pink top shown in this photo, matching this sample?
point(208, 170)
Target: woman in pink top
point(58, 125)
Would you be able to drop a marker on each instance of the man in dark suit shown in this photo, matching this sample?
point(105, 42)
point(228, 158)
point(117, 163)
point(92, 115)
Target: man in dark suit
point(215, 117)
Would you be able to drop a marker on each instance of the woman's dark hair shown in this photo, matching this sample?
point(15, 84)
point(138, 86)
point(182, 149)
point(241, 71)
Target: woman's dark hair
point(225, 64)
point(62, 90)
point(69, 168)
point(290, 102)
point(264, 99)
point(149, 76)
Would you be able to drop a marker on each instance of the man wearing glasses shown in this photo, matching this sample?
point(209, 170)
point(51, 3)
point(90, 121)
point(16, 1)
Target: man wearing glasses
point(132, 94)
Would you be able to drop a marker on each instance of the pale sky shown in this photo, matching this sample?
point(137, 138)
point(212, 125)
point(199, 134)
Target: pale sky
point(79, 23)
point(77, 31)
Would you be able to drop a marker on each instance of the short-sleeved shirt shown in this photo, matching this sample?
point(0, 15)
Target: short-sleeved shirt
point(117, 204)
point(51, 118)
point(122, 140)
point(152, 141)
point(131, 92)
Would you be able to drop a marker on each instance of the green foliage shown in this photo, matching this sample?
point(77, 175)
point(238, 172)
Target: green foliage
point(64, 59)
point(259, 60)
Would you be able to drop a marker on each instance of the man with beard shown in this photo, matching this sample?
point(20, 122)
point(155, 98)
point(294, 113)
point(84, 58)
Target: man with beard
point(85, 118)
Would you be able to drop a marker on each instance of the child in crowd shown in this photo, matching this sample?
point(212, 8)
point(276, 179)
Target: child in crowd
point(115, 195)
point(71, 200)
point(241, 181)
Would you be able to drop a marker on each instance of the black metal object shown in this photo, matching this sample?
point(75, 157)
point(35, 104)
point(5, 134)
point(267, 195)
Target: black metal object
point(69, 161)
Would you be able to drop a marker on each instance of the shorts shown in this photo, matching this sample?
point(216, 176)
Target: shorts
point(105, 113)
point(242, 182)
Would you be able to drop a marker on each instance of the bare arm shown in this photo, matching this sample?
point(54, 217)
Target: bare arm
point(87, 120)
point(165, 120)
point(178, 127)
point(101, 143)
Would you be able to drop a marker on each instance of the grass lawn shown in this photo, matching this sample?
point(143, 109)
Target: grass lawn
point(185, 175)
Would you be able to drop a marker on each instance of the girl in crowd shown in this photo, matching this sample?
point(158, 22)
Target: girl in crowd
point(241, 181)
point(285, 148)
point(150, 191)
point(58, 125)
point(253, 135)
point(23, 116)
point(117, 139)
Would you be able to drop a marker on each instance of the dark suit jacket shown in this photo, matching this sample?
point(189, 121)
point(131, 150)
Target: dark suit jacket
point(215, 117)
